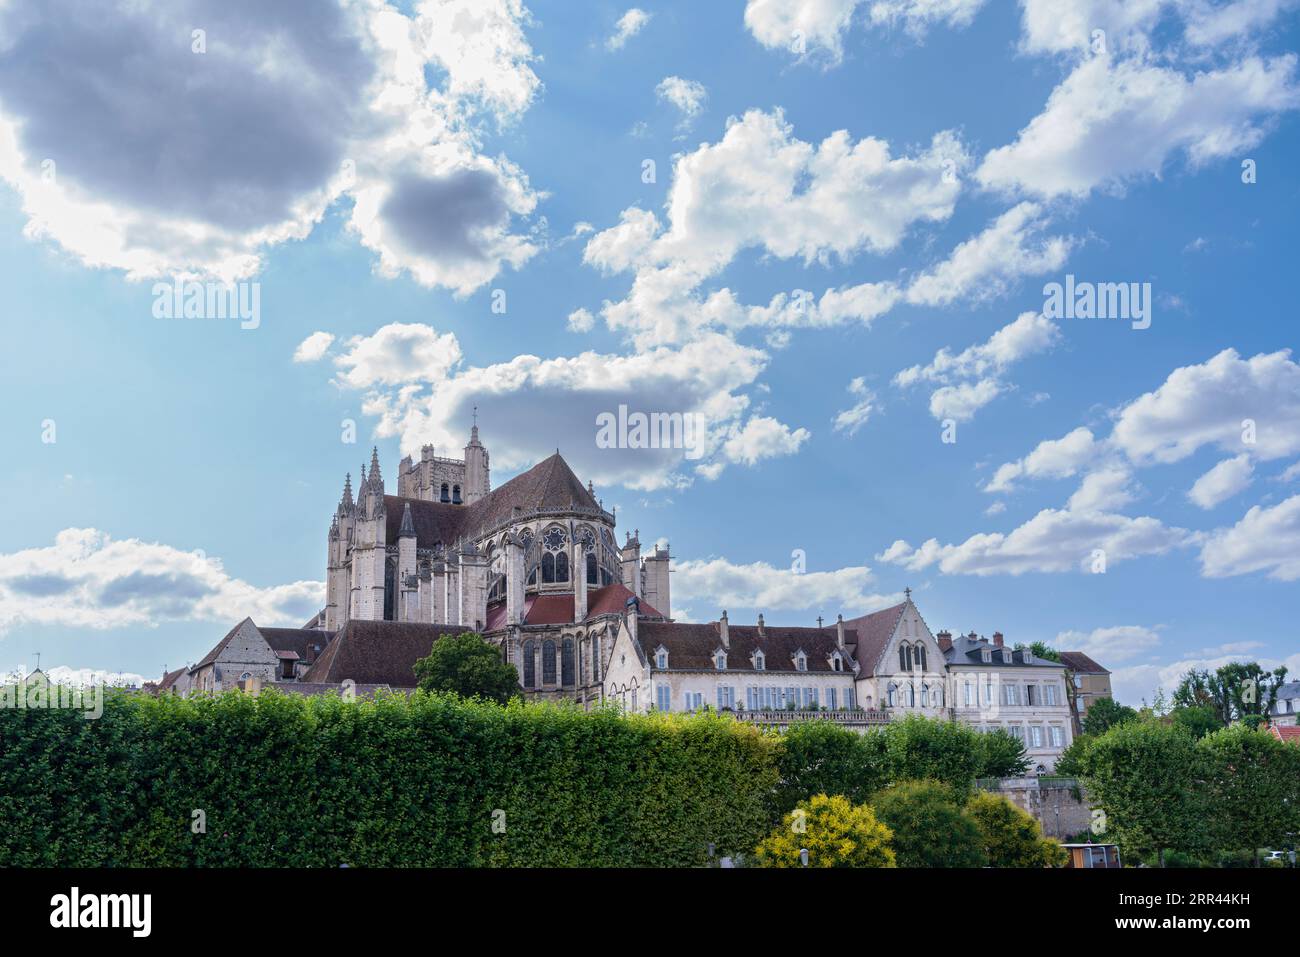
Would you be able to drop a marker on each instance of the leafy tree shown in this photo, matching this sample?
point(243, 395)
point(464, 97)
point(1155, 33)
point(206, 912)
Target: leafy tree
point(1147, 778)
point(1235, 692)
point(1104, 713)
point(1070, 763)
point(1045, 651)
point(1198, 720)
point(835, 832)
point(1001, 755)
point(821, 757)
point(1011, 838)
point(918, 747)
point(929, 827)
point(1202, 688)
point(466, 665)
point(1254, 784)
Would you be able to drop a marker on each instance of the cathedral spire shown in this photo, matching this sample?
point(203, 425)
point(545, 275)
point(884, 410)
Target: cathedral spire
point(408, 525)
point(345, 503)
point(375, 477)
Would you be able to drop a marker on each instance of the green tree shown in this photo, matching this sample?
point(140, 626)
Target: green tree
point(1250, 689)
point(1070, 763)
point(1104, 713)
point(918, 747)
point(928, 825)
point(1198, 720)
point(466, 665)
point(821, 757)
point(1254, 785)
point(1010, 837)
point(834, 831)
point(1202, 688)
point(1001, 755)
point(1147, 778)
point(1045, 651)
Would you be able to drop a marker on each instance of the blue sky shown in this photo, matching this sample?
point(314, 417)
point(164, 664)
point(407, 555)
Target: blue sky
point(921, 169)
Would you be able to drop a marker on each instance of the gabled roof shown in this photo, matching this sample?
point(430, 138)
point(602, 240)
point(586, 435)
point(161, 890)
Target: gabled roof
point(220, 646)
point(377, 652)
point(874, 631)
point(1288, 734)
point(168, 680)
point(1081, 664)
point(691, 646)
point(548, 484)
point(307, 643)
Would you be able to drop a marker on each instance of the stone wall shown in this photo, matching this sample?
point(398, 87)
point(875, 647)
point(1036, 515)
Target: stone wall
point(1059, 804)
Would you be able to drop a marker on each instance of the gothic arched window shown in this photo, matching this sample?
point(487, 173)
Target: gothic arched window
point(561, 566)
point(445, 493)
point(892, 696)
point(566, 662)
point(548, 662)
point(920, 657)
point(455, 495)
point(530, 668)
point(591, 568)
point(548, 567)
point(904, 659)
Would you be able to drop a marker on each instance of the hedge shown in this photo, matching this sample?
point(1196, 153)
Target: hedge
point(293, 781)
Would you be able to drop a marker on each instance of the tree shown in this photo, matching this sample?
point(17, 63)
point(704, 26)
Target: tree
point(1104, 713)
point(918, 747)
point(1254, 785)
point(1001, 755)
point(1198, 720)
point(1202, 688)
point(928, 826)
point(1147, 777)
point(1236, 691)
point(821, 757)
point(1045, 651)
point(1010, 837)
point(466, 665)
point(835, 832)
point(1070, 763)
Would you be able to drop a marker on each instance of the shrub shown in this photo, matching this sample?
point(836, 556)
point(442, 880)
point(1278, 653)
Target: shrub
point(821, 757)
point(836, 833)
point(1010, 837)
point(929, 828)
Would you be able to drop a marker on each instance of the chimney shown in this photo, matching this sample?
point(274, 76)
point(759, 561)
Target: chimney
point(761, 632)
point(839, 632)
point(945, 640)
point(997, 639)
point(722, 630)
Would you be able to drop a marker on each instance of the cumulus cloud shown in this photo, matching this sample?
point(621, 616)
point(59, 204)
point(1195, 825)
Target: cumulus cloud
point(87, 579)
point(1267, 539)
point(1110, 122)
point(817, 27)
point(855, 416)
point(973, 377)
point(418, 387)
point(1052, 541)
point(1105, 489)
point(628, 26)
point(288, 112)
point(1053, 458)
point(1222, 482)
point(762, 188)
point(688, 96)
point(720, 584)
point(314, 347)
point(1113, 644)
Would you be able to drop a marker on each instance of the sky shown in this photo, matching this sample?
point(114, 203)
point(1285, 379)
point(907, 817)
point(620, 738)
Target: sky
point(828, 229)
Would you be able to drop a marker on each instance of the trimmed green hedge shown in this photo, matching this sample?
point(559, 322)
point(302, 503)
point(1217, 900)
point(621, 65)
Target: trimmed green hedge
point(316, 782)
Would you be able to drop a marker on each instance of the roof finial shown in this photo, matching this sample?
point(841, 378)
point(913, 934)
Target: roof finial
point(819, 622)
point(476, 415)
point(908, 592)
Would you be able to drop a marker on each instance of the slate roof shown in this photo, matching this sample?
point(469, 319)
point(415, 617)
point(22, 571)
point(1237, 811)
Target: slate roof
point(377, 652)
point(548, 484)
point(966, 650)
point(1081, 664)
point(557, 608)
point(873, 634)
point(690, 647)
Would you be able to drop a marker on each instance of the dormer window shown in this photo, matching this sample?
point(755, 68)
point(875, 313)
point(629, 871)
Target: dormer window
point(720, 660)
point(837, 663)
point(661, 658)
point(987, 656)
point(760, 661)
point(800, 662)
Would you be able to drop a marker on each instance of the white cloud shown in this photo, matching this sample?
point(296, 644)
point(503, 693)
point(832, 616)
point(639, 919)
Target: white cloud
point(294, 117)
point(1051, 541)
point(1222, 482)
point(720, 584)
point(980, 366)
point(1210, 403)
point(688, 96)
point(87, 579)
point(1106, 645)
point(1266, 539)
point(581, 320)
point(1052, 458)
point(628, 26)
point(419, 389)
point(1209, 24)
point(1056, 26)
point(817, 27)
point(314, 347)
point(761, 188)
point(1111, 122)
point(1105, 489)
point(855, 417)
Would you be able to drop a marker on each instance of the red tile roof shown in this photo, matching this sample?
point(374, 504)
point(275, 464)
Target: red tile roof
point(1081, 664)
point(377, 652)
point(691, 646)
point(1289, 734)
point(556, 608)
point(874, 631)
